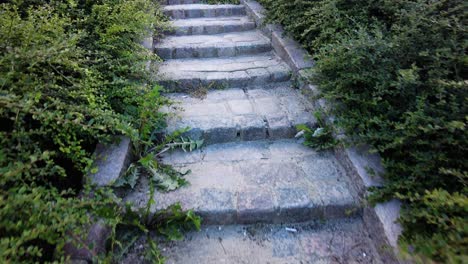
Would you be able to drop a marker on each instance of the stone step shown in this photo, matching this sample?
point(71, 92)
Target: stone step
point(185, 75)
point(181, 2)
point(209, 26)
point(257, 182)
point(203, 10)
point(339, 241)
point(242, 115)
point(212, 46)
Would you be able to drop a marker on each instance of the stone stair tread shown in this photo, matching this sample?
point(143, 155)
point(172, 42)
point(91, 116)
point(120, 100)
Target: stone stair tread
point(258, 181)
point(199, 6)
point(211, 21)
point(203, 10)
point(186, 67)
point(212, 25)
point(219, 45)
point(184, 75)
point(181, 2)
point(252, 181)
point(225, 39)
point(237, 114)
point(338, 241)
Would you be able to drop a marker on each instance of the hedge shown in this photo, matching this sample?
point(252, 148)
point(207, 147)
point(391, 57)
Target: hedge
point(72, 73)
point(396, 71)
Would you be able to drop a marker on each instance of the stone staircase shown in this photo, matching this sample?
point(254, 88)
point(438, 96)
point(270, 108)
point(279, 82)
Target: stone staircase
point(264, 197)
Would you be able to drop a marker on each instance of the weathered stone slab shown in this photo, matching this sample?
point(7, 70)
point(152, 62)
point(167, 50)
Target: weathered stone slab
point(255, 11)
point(209, 46)
point(366, 168)
point(210, 26)
point(263, 181)
point(186, 75)
point(111, 161)
point(234, 114)
point(289, 50)
point(181, 2)
point(286, 48)
point(343, 241)
point(93, 244)
point(203, 10)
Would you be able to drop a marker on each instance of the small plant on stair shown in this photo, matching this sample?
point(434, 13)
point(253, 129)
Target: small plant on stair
point(163, 176)
point(320, 138)
point(149, 144)
point(169, 223)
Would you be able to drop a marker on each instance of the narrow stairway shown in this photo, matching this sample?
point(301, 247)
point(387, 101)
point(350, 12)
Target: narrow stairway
point(264, 197)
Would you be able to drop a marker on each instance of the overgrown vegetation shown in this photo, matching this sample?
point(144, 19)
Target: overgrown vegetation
point(72, 73)
point(319, 138)
point(396, 71)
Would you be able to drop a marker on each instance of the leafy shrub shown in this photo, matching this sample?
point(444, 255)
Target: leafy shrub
point(72, 73)
point(317, 22)
point(396, 70)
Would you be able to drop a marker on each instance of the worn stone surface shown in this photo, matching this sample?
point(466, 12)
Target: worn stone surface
point(92, 244)
point(263, 181)
point(202, 10)
point(209, 46)
point(242, 115)
point(256, 12)
point(366, 170)
point(344, 241)
point(388, 214)
point(210, 26)
point(234, 91)
point(186, 75)
point(111, 162)
point(289, 50)
point(367, 165)
point(180, 2)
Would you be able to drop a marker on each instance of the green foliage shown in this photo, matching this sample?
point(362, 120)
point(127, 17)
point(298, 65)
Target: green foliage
point(396, 72)
point(170, 223)
point(163, 176)
point(72, 73)
point(319, 138)
point(317, 22)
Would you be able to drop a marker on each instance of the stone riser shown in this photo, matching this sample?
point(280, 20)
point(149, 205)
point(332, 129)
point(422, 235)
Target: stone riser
point(257, 182)
point(339, 241)
point(212, 29)
point(256, 130)
point(214, 11)
point(181, 2)
point(167, 53)
point(236, 115)
point(224, 81)
point(278, 215)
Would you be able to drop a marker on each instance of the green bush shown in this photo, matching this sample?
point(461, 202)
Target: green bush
point(72, 73)
point(396, 71)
